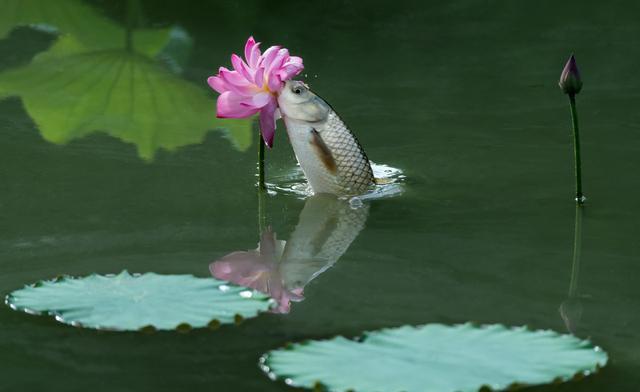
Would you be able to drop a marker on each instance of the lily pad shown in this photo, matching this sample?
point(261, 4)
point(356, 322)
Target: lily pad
point(435, 358)
point(129, 302)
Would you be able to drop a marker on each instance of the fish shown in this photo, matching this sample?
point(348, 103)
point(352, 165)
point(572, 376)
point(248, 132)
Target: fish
point(332, 159)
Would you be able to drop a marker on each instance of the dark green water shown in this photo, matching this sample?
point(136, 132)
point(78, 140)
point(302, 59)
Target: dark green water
point(460, 95)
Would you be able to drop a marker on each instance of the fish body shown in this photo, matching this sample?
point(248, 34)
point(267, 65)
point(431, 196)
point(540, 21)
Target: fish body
point(329, 154)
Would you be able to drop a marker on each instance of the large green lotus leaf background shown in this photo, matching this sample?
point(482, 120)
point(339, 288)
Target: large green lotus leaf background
point(123, 94)
point(133, 302)
point(73, 17)
point(87, 82)
point(435, 358)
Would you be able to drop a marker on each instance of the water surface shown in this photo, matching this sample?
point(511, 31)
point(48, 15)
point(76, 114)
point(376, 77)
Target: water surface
point(462, 96)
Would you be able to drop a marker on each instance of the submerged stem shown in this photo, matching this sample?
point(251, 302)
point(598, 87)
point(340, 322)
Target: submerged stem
point(576, 149)
point(261, 184)
point(577, 246)
point(261, 212)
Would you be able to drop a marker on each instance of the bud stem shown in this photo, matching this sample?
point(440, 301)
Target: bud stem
point(576, 149)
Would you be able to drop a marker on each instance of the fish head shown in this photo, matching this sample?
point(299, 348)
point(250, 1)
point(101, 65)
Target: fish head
point(297, 102)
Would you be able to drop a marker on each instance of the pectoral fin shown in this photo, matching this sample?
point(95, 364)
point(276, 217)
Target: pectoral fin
point(383, 181)
point(323, 152)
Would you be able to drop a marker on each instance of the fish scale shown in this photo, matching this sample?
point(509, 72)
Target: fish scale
point(352, 175)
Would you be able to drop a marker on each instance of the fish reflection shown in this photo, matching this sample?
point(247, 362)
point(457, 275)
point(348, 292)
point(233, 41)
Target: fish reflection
point(326, 228)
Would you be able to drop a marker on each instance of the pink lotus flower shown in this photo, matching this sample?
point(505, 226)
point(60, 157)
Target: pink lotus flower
point(254, 83)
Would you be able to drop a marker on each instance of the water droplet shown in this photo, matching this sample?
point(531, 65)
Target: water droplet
point(27, 310)
point(355, 203)
point(246, 294)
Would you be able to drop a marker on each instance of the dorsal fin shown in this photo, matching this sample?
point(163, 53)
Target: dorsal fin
point(323, 151)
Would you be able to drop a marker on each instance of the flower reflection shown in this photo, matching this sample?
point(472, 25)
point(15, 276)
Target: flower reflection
point(326, 228)
point(258, 269)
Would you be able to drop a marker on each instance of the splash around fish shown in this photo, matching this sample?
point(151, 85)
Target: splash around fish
point(291, 181)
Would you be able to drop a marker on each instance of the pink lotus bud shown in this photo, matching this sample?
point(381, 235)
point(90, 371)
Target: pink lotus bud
point(570, 81)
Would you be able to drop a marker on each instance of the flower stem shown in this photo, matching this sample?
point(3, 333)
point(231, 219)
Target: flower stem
point(580, 199)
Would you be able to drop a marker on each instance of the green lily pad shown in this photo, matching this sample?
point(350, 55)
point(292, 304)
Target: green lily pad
point(127, 302)
point(435, 358)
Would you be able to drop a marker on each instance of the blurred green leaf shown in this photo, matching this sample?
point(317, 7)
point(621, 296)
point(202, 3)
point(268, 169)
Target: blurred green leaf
point(132, 302)
point(123, 94)
point(435, 358)
point(87, 82)
point(92, 30)
point(177, 50)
